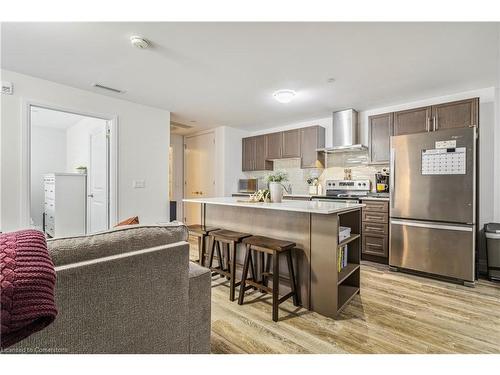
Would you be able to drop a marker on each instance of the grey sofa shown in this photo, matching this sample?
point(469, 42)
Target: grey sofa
point(128, 290)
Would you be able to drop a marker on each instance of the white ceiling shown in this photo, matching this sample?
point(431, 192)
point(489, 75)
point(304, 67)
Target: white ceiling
point(53, 119)
point(225, 73)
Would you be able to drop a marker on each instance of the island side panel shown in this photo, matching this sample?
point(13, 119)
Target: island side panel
point(324, 241)
point(284, 225)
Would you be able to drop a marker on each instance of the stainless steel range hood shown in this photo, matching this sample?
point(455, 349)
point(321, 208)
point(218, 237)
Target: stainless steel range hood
point(345, 132)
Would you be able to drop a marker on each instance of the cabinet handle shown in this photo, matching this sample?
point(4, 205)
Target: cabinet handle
point(373, 244)
point(427, 124)
point(374, 229)
point(436, 127)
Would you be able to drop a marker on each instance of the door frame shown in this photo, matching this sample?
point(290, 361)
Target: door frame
point(112, 120)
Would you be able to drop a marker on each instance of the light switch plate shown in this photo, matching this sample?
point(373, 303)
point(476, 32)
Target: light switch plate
point(7, 88)
point(139, 184)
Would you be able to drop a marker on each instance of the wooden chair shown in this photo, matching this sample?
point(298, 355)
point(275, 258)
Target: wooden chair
point(229, 240)
point(201, 232)
point(273, 248)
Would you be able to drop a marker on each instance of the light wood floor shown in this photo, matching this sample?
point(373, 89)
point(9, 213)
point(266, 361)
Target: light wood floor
point(395, 313)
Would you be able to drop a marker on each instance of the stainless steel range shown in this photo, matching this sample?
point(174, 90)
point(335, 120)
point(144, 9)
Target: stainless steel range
point(345, 190)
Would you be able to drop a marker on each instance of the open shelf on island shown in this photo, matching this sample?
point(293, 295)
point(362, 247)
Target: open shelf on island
point(352, 237)
point(346, 272)
point(346, 294)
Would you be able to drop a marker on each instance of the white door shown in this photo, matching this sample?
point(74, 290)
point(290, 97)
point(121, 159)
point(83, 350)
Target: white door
point(199, 156)
point(98, 181)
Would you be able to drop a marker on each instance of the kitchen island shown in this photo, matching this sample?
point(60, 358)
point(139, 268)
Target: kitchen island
point(314, 227)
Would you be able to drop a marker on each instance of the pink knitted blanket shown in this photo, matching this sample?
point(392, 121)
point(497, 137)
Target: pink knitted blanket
point(27, 280)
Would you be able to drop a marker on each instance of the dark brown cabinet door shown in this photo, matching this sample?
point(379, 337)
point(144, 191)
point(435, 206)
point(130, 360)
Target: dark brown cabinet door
point(274, 145)
point(380, 131)
point(311, 138)
point(375, 245)
point(261, 163)
point(291, 144)
point(410, 121)
point(459, 114)
point(248, 154)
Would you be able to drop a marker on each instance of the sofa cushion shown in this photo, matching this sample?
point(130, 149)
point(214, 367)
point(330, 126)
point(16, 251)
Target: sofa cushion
point(114, 241)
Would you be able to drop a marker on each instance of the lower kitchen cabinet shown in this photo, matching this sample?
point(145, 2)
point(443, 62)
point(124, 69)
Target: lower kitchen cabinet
point(375, 231)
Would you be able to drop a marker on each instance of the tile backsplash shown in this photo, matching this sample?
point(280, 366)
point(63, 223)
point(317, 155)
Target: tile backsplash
point(356, 161)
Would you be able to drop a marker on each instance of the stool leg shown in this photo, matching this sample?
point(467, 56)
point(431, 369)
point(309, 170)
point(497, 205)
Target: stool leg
point(228, 259)
point(292, 278)
point(232, 269)
point(219, 255)
point(262, 254)
point(267, 268)
point(276, 284)
point(212, 249)
point(201, 243)
point(244, 275)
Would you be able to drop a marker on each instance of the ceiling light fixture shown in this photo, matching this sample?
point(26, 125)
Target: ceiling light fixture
point(284, 96)
point(139, 42)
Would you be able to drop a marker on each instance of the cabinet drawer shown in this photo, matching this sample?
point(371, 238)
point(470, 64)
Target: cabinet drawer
point(375, 217)
point(375, 228)
point(375, 245)
point(372, 205)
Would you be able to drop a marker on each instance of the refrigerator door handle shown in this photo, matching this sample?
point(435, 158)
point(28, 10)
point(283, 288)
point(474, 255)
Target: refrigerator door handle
point(432, 226)
point(392, 173)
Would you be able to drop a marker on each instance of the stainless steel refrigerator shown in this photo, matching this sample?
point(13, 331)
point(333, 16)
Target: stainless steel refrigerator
point(433, 203)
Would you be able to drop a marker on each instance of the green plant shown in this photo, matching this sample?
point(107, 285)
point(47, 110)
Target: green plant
point(278, 176)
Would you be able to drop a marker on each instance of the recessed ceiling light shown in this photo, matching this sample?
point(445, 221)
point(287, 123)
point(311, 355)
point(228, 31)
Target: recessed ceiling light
point(284, 96)
point(330, 80)
point(192, 121)
point(139, 42)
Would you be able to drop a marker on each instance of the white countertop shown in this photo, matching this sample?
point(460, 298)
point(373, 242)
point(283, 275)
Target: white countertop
point(313, 207)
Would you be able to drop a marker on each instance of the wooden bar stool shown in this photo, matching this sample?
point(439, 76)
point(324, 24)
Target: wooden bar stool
point(230, 240)
point(273, 248)
point(201, 232)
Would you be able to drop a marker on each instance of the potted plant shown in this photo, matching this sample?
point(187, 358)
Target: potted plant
point(313, 183)
point(276, 187)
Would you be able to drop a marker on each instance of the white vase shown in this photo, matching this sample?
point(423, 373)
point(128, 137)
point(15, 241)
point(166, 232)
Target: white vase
point(276, 190)
point(313, 190)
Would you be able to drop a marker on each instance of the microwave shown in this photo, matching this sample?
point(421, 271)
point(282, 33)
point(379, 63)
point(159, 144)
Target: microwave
point(250, 185)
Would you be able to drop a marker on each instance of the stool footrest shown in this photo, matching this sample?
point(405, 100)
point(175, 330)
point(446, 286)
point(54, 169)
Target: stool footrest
point(259, 286)
point(285, 297)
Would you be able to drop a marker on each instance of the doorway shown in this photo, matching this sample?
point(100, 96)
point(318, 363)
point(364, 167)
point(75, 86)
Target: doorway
point(69, 172)
point(199, 172)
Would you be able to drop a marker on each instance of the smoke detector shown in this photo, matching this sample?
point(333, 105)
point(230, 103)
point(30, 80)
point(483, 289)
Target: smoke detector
point(139, 42)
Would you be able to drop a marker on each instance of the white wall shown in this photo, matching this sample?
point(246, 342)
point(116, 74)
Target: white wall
point(48, 153)
point(228, 159)
point(78, 142)
point(143, 144)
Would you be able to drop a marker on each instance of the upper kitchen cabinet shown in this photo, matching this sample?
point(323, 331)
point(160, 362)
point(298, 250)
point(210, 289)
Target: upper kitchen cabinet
point(291, 144)
point(459, 114)
point(274, 142)
point(254, 154)
point(410, 121)
point(248, 154)
point(379, 134)
point(261, 162)
point(312, 138)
